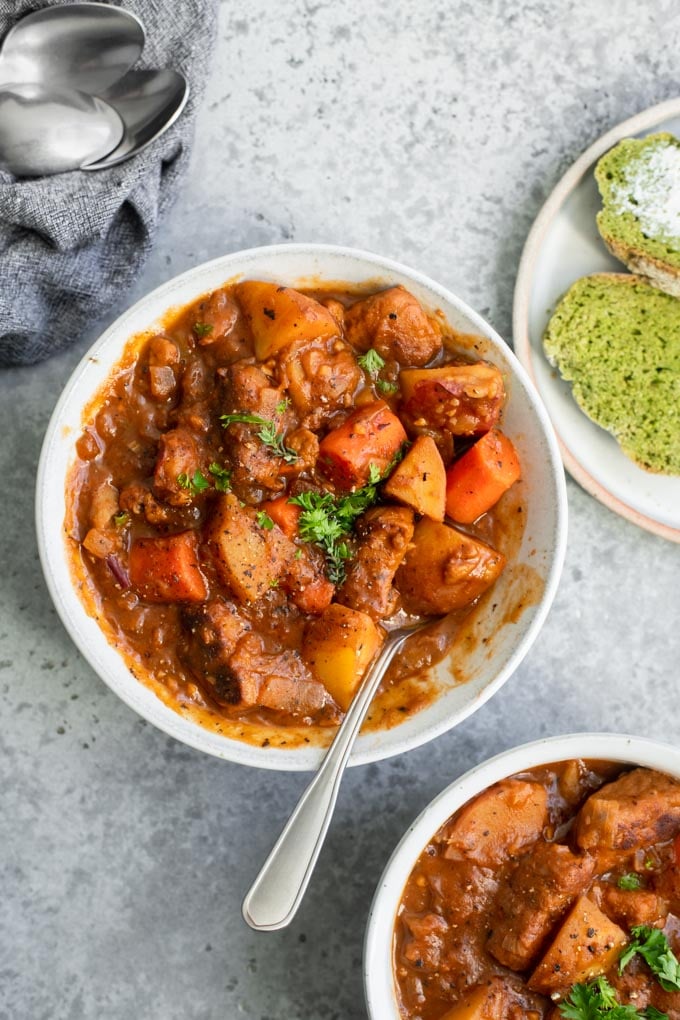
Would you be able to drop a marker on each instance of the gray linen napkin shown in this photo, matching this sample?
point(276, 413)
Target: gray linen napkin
point(70, 244)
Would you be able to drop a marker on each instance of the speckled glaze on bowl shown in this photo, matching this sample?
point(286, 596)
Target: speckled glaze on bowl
point(379, 986)
point(542, 547)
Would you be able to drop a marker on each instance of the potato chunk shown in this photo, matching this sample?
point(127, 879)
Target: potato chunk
point(445, 569)
point(104, 505)
point(464, 399)
point(500, 823)
point(249, 558)
point(420, 480)
point(280, 315)
point(586, 945)
point(338, 646)
point(486, 1002)
point(638, 809)
point(395, 324)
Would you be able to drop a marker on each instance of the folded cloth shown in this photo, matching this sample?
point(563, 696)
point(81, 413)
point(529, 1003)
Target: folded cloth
point(69, 244)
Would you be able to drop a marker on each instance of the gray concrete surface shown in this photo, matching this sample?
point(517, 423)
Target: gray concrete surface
point(430, 132)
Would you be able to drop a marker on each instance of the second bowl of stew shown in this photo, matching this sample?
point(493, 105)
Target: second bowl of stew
point(270, 462)
point(542, 884)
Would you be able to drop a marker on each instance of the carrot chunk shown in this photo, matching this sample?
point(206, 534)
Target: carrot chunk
point(370, 436)
point(283, 513)
point(167, 569)
point(478, 480)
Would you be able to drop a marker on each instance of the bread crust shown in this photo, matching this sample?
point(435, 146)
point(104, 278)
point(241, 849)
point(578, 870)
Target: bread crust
point(651, 270)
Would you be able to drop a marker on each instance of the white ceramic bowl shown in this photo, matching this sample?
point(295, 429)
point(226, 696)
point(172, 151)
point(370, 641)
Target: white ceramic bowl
point(379, 985)
point(541, 553)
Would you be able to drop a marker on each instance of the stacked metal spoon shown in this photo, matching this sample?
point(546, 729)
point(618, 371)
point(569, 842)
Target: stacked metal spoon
point(68, 97)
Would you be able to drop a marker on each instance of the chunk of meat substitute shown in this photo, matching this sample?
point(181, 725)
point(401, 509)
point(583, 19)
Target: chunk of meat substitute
point(213, 630)
point(279, 681)
point(384, 536)
point(322, 377)
point(640, 808)
point(395, 324)
point(179, 455)
point(628, 907)
point(544, 884)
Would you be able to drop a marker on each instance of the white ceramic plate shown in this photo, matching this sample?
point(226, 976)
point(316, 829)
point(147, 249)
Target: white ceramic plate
point(563, 245)
point(381, 997)
point(541, 552)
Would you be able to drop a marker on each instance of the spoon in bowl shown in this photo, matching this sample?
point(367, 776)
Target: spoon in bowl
point(275, 895)
point(83, 46)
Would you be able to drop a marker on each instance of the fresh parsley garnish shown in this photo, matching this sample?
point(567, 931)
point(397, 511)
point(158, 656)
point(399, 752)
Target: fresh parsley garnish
point(120, 519)
point(282, 405)
point(629, 881)
point(264, 520)
point(222, 477)
point(587, 1002)
point(268, 434)
point(597, 1001)
point(653, 947)
point(202, 329)
point(328, 520)
point(199, 483)
point(371, 362)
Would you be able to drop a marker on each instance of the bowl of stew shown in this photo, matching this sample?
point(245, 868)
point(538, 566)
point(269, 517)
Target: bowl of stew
point(544, 883)
point(268, 463)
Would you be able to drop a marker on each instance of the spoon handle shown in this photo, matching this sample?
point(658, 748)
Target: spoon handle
point(276, 893)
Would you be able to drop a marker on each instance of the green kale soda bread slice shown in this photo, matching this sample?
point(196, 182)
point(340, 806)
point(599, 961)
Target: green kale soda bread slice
point(639, 180)
point(616, 339)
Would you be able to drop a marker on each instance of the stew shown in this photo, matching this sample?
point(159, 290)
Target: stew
point(261, 490)
point(554, 893)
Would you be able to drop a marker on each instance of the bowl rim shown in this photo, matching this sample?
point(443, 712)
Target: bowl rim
point(379, 990)
point(161, 715)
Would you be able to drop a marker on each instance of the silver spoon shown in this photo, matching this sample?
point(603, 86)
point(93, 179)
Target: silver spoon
point(84, 46)
point(275, 895)
point(148, 103)
point(50, 130)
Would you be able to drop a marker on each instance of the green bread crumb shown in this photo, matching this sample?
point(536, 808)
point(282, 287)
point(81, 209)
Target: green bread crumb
point(639, 180)
point(617, 341)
